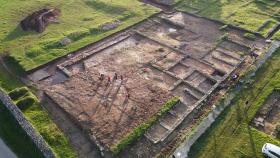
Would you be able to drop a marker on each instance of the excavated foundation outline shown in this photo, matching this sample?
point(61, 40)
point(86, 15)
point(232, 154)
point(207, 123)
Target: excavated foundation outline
point(193, 91)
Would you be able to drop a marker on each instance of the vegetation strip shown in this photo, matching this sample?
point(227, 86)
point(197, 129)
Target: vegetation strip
point(141, 129)
point(37, 138)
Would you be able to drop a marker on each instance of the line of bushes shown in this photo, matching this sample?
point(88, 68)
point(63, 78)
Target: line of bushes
point(141, 129)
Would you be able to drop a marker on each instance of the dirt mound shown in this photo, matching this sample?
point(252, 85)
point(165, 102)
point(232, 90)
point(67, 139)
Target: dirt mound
point(38, 20)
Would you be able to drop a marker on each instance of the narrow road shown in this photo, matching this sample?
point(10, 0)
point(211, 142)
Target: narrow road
point(5, 152)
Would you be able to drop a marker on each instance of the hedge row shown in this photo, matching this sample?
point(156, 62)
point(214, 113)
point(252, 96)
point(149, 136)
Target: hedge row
point(141, 129)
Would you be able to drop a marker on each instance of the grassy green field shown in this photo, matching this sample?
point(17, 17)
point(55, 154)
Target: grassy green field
point(231, 136)
point(80, 21)
point(37, 117)
point(248, 14)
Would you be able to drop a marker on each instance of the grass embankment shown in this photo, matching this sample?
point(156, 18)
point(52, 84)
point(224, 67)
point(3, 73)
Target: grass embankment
point(141, 129)
point(39, 119)
point(15, 137)
point(8, 82)
point(230, 136)
point(248, 14)
point(80, 21)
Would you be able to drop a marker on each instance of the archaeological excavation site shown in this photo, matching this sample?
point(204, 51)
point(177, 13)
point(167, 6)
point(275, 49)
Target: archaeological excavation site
point(156, 77)
point(266, 119)
point(139, 78)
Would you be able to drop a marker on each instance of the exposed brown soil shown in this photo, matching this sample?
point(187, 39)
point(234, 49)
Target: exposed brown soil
point(93, 91)
point(108, 109)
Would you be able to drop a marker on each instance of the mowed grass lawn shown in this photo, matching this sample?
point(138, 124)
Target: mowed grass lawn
point(231, 136)
point(80, 20)
point(248, 14)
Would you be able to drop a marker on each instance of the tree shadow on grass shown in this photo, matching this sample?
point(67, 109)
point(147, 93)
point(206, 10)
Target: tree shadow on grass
point(14, 66)
point(17, 33)
point(107, 8)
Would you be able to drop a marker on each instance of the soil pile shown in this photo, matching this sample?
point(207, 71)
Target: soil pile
point(39, 20)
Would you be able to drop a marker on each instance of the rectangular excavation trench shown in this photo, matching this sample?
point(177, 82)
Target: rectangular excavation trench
point(129, 78)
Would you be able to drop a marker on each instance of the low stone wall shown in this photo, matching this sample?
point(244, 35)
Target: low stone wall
point(26, 126)
point(184, 148)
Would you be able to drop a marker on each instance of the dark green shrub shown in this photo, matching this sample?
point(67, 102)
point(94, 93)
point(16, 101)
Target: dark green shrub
point(26, 102)
point(52, 45)
point(95, 30)
point(17, 93)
